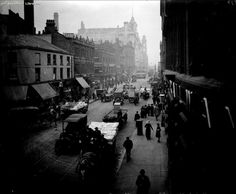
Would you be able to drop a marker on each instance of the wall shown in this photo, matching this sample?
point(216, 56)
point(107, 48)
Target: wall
point(26, 60)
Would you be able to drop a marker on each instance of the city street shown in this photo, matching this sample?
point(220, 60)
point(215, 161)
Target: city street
point(67, 66)
point(43, 164)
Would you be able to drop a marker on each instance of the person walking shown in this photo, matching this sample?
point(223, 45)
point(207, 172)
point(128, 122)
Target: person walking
point(137, 117)
point(158, 132)
point(53, 115)
point(148, 127)
point(142, 112)
point(143, 183)
point(156, 112)
point(128, 145)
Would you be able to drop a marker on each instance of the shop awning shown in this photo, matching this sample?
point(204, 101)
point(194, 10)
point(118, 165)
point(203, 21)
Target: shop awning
point(169, 72)
point(82, 82)
point(15, 93)
point(199, 81)
point(45, 90)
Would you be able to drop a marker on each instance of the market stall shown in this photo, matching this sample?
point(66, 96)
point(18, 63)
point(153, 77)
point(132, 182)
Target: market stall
point(74, 107)
point(109, 130)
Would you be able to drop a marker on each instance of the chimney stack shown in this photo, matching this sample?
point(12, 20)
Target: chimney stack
point(29, 16)
point(56, 19)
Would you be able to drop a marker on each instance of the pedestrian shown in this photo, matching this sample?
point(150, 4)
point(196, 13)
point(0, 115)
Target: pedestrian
point(158, 132)
point(156, 111)
point(94, 96)
point(128, 145)
point(136, 116)
point(143, 183)
point(142, 112)
point(149, 110)
point(119, 114)
point(145, 111)
point(148, 127)
point(53, 115)
point(152, 110)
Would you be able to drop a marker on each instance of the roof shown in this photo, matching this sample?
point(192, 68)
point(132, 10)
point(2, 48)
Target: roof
point(31, 42)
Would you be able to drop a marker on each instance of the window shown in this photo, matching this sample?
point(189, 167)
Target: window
point(49, 59)
point(37, 74)
point(61, 73)
point(61, 60)
point(68, 60)
point(12, 68)
point(54, 73)
point(37, 59)
point(68, 72)
point(54, 60)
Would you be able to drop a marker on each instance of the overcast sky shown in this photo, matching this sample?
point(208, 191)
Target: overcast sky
point(98, 14)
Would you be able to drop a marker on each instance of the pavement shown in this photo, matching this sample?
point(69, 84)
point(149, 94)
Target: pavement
point(148, 155)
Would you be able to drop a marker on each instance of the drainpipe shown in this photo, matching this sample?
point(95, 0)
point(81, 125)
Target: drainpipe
point(174, 89)
point(180, 92)
point(186, 96)
point(207, 112)
point(189, 99)
point(230, 117)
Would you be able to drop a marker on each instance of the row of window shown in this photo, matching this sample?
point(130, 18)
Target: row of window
point(52, 59)
point(38, 74)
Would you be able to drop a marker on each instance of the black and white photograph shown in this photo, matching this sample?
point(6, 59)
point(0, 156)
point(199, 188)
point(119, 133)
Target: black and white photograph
point(117, 97)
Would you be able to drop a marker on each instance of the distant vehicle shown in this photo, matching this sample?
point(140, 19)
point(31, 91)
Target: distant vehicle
point(133, 96)
point(140, 74)
point(126, 87)
point(99, 92)
point(145, 93)
point(118, 96)
point(108, 97)
point(113, 116)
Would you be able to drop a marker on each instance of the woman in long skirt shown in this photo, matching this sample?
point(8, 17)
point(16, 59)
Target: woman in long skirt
point(148, 127)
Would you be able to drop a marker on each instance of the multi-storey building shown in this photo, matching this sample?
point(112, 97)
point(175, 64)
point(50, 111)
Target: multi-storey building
point(198, 61)
point(129, 58)
point(82, 49)
point(127, 33)
point(28, 61)
point(104, 63)
point(113, 62)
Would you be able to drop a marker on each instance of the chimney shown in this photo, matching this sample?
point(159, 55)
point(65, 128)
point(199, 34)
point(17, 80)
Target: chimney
point(29, 16)
point(50, 27)
point(56, 19)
